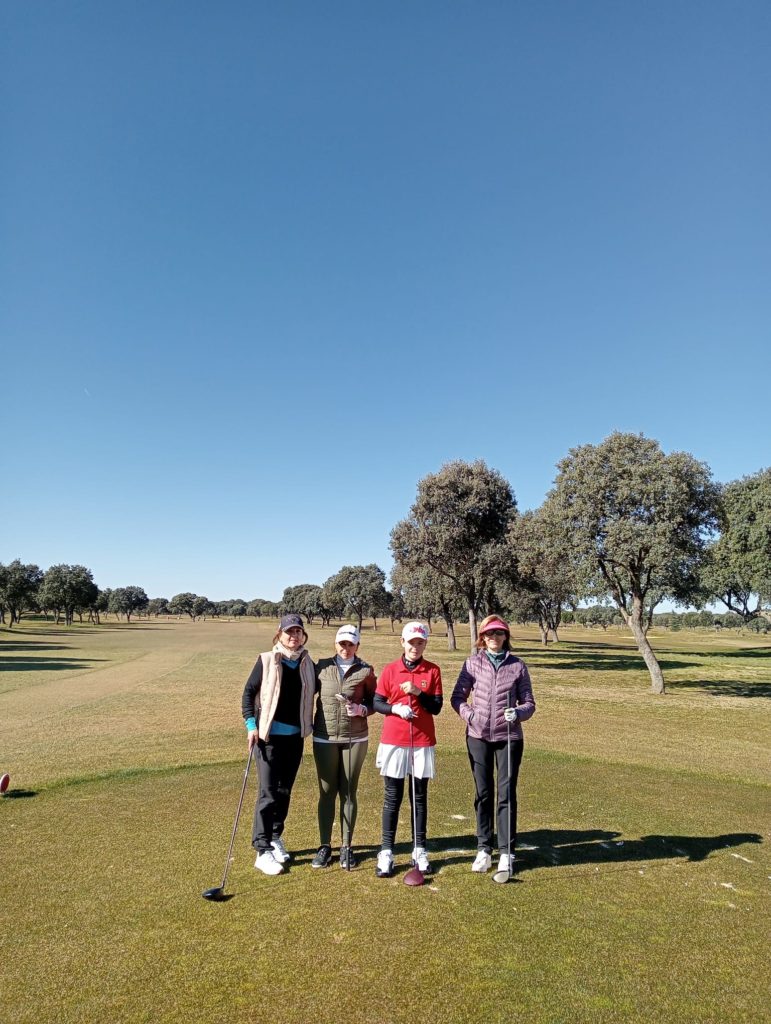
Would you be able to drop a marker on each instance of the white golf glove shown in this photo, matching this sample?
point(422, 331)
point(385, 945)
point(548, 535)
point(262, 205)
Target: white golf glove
point(510, 714)
point(355, 710)
point(403, 711)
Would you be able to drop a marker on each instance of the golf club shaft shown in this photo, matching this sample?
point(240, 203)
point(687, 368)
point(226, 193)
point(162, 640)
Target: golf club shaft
point(238, 815)
point(412, 781)
point(508, 769)
point(348, 801)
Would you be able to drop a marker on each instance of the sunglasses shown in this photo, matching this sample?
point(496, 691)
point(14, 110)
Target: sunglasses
point(494, 632)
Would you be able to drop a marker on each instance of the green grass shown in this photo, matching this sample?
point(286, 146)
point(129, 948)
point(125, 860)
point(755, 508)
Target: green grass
point(643, 885)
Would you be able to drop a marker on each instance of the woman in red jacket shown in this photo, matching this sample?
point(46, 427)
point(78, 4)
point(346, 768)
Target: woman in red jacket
point(502, 700)
point(409, 694)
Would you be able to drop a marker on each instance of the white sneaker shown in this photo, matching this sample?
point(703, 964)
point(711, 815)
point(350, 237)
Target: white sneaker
point(268, 864)
point(503, 863)
point(280, 852)
point(483, 862)
point(420, 860)
point(385, 864)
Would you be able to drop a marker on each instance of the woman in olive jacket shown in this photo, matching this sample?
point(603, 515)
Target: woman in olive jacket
point(346, 686)
point(499, 685)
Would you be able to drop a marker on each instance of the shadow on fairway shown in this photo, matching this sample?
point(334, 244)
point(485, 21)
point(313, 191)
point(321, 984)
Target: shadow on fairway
point(18, 663)
point(723, 687)
point(19, 794)
point(558, 848)
point(33, 646)
point(571, 847)
point(566, 661)
point(748, 652)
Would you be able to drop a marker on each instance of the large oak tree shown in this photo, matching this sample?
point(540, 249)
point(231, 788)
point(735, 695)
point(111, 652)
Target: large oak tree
point(738, 569)
point(457, 526)
point(637, 522)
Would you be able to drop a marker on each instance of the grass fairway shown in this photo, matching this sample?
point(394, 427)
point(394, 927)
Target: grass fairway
point(641, 895)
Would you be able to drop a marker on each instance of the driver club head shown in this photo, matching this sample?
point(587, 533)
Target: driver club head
point(414, 876)
point(217, 894)
point(5, 781)
point(502, 877)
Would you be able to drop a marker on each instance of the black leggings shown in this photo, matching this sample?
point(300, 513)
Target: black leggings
point(488, 759)
point(394, 794)
point(278, 760)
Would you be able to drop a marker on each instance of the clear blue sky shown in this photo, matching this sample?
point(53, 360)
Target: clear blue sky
point(265, 265)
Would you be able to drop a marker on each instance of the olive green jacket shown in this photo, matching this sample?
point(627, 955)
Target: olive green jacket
point(330, 721)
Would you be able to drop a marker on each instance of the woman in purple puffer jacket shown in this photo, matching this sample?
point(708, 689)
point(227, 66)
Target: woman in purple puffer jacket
point(500, 685)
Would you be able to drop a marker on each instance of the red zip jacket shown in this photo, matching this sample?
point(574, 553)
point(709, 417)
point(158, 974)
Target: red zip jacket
point(428, 678)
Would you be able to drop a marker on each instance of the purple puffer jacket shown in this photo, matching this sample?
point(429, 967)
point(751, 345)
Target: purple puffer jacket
point(492, 691)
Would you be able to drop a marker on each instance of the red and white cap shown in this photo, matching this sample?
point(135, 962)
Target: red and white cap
point(415, 631)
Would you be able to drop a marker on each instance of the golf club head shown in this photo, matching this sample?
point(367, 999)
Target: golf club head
point(5, 781)
point(501, 877)
point(414, 877)
point(217, 894)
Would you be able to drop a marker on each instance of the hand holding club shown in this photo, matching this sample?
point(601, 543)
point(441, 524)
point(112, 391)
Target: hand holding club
point(403, 711)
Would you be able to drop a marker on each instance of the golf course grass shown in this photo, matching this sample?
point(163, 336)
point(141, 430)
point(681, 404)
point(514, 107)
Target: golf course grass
point(643, 862)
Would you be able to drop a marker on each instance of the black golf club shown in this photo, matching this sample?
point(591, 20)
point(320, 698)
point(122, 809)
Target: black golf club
point(349, 805)
point(414, 876)
point(217, 894)
point(505, 876)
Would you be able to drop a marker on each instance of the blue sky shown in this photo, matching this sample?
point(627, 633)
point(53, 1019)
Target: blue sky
point(266, 265)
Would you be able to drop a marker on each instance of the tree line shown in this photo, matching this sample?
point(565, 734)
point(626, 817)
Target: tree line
point(625, 526)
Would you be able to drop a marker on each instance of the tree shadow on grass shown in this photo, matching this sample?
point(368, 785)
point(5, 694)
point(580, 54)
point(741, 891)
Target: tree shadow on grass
point(32, 646)
point(570, 847)
point(748, 652)
point(19, 794)
point(566, 661)
point(21, 664)
point(723, 687)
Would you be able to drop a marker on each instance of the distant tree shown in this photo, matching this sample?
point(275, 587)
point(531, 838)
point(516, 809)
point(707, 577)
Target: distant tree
point(128, 600)
point(237, 608)
point(263, 609)
point(157, 606)
point(737, 571)
point(425, 594)
point(18, 589)
point(67, 589)
point(546, 580)
point(359, 589)
point(201, 607)
point(305, 599)
point(182, 604)
point(637, 522)
point(395, 607)
point(457, 526)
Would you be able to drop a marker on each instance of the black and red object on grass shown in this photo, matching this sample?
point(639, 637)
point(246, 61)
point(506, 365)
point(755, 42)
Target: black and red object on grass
point(414, 876)
point(5, 781)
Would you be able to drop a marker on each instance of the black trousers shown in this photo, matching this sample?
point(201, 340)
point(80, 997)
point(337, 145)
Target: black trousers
point(394, 794)
point(278, 761)
point(486, 760)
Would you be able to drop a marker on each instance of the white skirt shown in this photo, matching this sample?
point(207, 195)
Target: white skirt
point(395, 762)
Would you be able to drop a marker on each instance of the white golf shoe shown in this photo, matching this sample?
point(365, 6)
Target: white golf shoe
point(420, 860)
point(385, 864)
point(503, 863)
point(482, 862)
point(280, 852)
point(268, 864)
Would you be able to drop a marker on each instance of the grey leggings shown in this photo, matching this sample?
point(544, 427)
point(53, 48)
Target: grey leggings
point(334, 780)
